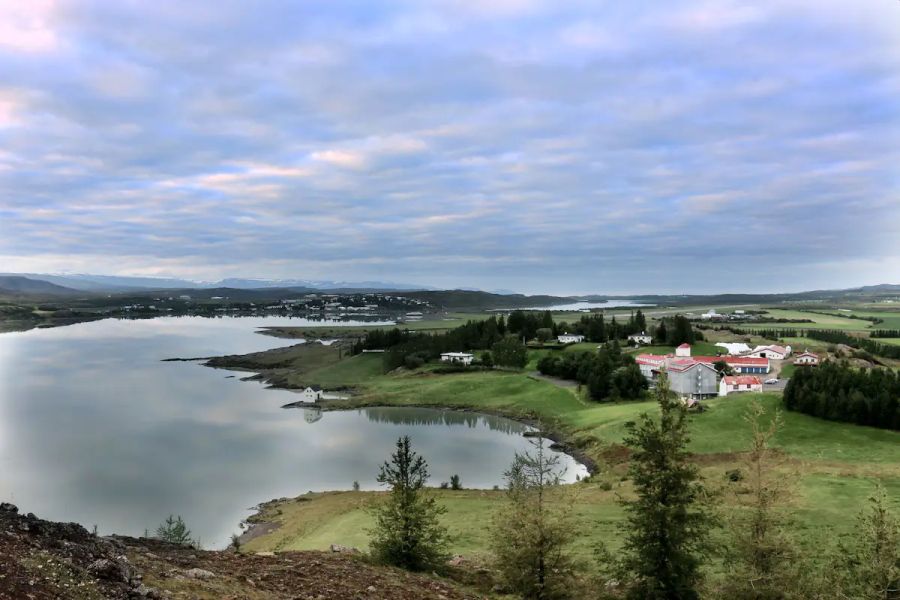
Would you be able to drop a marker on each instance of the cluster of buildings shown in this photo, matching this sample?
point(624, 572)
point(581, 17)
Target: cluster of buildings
point(696, 376)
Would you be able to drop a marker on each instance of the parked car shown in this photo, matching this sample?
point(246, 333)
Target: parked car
point(771, 381)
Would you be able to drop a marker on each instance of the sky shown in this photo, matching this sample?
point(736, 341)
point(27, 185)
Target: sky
point(690, 146)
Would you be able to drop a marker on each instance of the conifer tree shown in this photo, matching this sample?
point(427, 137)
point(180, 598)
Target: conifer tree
point(761, 560)
point(530, 534)
point(868, 567)
point(667, 526)
point(408, 532)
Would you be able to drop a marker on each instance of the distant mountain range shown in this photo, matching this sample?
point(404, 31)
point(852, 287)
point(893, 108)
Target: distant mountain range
point(459, 299)
point(16, 285)
point(114, 283)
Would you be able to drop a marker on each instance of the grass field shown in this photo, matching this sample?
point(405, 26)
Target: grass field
point(835, 466)
point(820, 321)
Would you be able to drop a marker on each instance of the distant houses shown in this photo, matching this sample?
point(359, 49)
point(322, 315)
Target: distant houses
point(695, 377)
point(462, 358)
point(569, 338)
point(807, 359)
point(731, 384)
point(641, 338)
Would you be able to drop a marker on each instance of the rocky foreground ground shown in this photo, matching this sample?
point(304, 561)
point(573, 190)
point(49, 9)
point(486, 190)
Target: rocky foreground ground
point(41, 560)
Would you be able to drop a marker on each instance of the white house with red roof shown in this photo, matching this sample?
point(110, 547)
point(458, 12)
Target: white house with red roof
point(731, 384)
point(806, 358)
point(650, 364)
point(739, 364)
point(683, 350)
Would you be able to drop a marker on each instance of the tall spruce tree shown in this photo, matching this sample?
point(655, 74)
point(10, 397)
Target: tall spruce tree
point(408, 532)
point(667, 526)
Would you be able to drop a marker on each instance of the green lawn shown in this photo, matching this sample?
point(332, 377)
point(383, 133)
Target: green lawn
point(350, 371)
point(315, 521)
point(834, 466)
point(820, 321)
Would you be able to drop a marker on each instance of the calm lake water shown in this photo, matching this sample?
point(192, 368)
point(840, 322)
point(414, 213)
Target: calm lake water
point(94, 428)
point(588, 305)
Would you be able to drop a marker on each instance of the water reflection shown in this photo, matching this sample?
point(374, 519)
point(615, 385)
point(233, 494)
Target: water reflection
point(432, 417)
point(94, 428)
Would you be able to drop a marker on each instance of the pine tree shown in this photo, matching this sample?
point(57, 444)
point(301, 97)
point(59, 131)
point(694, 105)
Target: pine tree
point(868, 568)
point(408, 532)
point(531, 535)
point(761, 559)
point(667, 526)
point(175, 530)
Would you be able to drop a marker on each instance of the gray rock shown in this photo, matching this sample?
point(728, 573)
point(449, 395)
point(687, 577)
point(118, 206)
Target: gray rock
point(202, 574)
point(111, 570)
point(337, 548)
point(7, 507)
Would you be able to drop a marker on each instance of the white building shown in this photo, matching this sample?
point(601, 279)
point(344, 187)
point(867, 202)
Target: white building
point(771, 352)
point(650, 364)
point(640, 338)
point(734, 348)
point(710, 314)
point(569, 338)
point(311, 394)
point(731, 384)
point(463, 358)
point(806, 359)
point(683, 350)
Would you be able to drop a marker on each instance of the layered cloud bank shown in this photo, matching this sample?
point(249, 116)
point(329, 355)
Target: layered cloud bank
point(571, 147)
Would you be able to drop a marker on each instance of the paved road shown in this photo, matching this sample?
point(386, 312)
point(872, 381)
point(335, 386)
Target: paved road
point(775, 387)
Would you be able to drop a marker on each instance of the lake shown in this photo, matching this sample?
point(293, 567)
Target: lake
point(584, 306)
point(95, 428)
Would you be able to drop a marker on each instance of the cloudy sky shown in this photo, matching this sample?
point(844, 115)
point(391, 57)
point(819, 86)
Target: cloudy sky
point(597, 146)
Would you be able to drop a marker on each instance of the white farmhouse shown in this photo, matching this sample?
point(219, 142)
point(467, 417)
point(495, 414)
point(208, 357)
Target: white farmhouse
point(684, 350)
point(463, 358)
point(739, 383)
point(640, 338)
point(569, 338)
point(311, 394)
point(806, 359)
point(772, 352)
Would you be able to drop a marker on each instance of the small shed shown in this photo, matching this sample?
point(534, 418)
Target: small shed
point(312, 393)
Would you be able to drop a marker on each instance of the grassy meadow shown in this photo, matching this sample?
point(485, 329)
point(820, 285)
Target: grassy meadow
point(834, 467)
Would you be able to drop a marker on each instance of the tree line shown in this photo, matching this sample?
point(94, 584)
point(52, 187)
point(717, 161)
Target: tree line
point(834, 336)
point(885, 333)
point(608, 373)
point(839, 392)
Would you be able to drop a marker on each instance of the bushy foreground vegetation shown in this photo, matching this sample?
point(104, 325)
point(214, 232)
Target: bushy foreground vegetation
point(838, 392)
